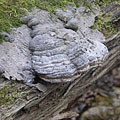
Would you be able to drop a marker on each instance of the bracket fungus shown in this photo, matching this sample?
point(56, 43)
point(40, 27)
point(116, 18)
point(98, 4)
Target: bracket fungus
point(55, 50)
point(59, 53)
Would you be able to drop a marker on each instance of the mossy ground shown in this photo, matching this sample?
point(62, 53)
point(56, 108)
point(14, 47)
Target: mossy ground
point(104, 101)
point(104, 22)
point(10, 11)
point(9, 94)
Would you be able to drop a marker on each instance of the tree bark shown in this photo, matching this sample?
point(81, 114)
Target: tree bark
point(44, 106)
point(59, 97)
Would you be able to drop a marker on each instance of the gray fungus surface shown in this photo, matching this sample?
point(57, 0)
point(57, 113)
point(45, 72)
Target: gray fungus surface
point(56, 48)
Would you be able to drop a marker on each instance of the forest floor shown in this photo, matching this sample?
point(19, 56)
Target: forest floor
point(102, 101)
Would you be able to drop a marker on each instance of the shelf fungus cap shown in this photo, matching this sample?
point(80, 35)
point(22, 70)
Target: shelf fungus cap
point(63, 57)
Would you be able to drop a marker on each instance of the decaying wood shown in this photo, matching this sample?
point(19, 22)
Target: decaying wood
point(59, 97)
point(50, 105)
point(69, 114)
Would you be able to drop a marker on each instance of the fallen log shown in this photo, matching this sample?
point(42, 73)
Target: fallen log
point(64, 95)
point(59, 96)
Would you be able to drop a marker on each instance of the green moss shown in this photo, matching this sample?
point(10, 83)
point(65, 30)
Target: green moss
point(5, 96)
point(10, 10)
point(104, 22)
point(104, 25)
point(103, 3)
point(8, 95)
point(105, 101)
point(10, 14)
